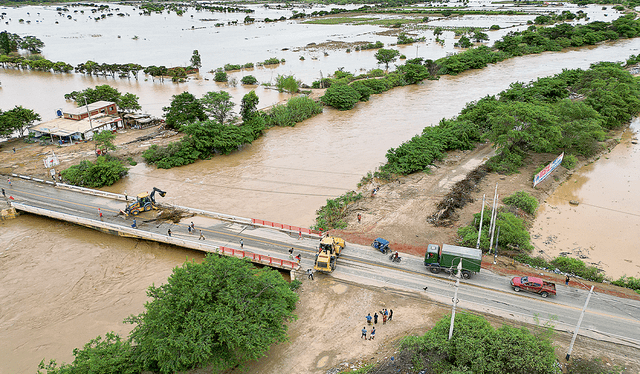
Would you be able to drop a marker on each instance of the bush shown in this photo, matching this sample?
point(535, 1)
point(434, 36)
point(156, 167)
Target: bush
point(297, 109)
point(628, 282)
point(476, 347)
point(522, 200)
point(271, 61)
point(341, 97)
point(513, 232)
point(591, 366)
point(494, 27)
point(105, 171)
point(228, 67)
point(577, 267)
point(220, 76)
point(569, 161)
point(537, 262)
point(330, 216)
point(249, 80)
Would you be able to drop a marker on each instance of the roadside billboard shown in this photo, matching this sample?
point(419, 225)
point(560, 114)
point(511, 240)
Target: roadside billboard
point(547, 170)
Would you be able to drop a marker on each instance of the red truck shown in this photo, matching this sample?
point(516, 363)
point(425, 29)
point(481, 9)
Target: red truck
point(533, 284)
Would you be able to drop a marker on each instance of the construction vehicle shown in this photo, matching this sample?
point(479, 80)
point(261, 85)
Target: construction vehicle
point(144, 202)
point(328, 253)
point(448, 258)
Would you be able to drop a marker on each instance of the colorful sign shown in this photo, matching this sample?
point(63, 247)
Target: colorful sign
point(547, 170)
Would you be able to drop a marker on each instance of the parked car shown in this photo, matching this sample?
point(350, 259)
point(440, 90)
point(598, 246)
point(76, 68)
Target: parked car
point(533, 284)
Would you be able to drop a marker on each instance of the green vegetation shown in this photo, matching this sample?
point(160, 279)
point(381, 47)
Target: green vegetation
point(386, 56)
point(297, 109)
point(287, 83)
point(202, 140)
point(229, 67)
point(513, 232)
point(522, 200)
point(331, 215)
point(271, 61)
point(105, 171)
point(218, 105)
point(16, 119)
point(341, 96)
point(126, 103)
point(236, 314)
point(476, 347)
point(104, 141)
point(566, 265)
point(196, 59)
point(628, 282)
point(591, 366)
point(249, 80)
point(12, 42)
point(184, 109)
point(220, 76)
point(375, 45)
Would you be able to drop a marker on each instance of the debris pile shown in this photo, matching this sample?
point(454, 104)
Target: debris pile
point(458, 197)
point(172, 214)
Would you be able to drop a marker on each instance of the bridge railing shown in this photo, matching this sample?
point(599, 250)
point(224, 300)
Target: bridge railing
point(293, 229)
point(135, 232)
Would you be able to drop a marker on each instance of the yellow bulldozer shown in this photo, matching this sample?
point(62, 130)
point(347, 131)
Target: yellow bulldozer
point(328, 253)
point(144, 202)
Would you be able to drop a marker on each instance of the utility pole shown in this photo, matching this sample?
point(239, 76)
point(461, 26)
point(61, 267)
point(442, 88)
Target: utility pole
point(495, 250)
point(89, 114)
point(481, 217)
point(455, 299)
point(575, 333)
point(493, 216)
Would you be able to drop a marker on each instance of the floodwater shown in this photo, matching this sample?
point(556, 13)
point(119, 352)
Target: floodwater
point(63, 285)
point(604, 229)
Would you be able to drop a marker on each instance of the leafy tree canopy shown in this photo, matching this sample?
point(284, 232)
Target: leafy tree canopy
point(218, 105)
point(220, 313)
point(476, 347)
point(386, 56)
point(104, 140)
point(184, 109)
point(105, 171)
point(127, 102)
point(16, 119)
point(196, 60)
point(249, 106)
point(341, 96)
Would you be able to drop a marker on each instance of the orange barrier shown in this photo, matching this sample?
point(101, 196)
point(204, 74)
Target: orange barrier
point(260, 258)
point(299, 230)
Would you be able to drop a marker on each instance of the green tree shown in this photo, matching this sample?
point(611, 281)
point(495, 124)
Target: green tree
point(413, 73)
point(111, 355)
point(129, 103)
point(249, 80)
point(287, 83)
point(196, 61)
point(386, 56)
point(104, 140)
point(218, 105)
point(249, 106)
point(7, 44)
point(220, 76)
point(91, 95)
point(220, 313)
point(476, 347)
point(184, 109)
point(341, 96)
point(32, 44)
point(105, 171)
point(17, 119)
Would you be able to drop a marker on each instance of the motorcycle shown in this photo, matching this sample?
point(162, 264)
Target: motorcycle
point(393, 258)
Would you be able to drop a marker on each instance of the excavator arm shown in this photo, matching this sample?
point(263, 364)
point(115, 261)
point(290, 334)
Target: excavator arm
point(153, 193)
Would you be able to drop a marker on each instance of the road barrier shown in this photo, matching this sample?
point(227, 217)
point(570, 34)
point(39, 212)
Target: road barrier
point(292, 229)
point(147, 235)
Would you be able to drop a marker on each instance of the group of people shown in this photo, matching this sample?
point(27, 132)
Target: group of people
point(297, 257)
point(387, 315)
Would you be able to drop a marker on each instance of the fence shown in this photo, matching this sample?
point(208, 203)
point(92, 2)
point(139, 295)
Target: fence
point(294, 229)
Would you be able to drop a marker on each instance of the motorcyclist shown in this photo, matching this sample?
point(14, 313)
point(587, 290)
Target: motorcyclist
point(395, 256)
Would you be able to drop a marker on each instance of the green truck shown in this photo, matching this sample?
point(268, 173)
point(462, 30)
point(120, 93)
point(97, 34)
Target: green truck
point(447, 259)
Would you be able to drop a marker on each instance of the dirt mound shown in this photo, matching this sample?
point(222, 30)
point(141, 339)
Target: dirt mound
point(172, 214)
point(460, 195)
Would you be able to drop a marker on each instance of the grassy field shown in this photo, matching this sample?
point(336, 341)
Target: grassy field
point(362, 21)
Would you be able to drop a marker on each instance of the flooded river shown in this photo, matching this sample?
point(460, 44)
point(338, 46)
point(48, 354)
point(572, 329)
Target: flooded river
point(63, 285)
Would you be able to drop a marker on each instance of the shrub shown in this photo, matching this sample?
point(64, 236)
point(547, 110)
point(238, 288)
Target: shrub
point(297, 109)
point(105, 171)
point(220, 76)
point(569, 161)
point(364, 91)
point(341, 97)
point(513, 232)
point(228, 67)
point(271, 61)
point(577, 267)
point(591, 366)
point(249, 80)
point(494, 27)
point(248, 65)
point(628, 282)
point(331, 215)
point(522, 200)
point(538, 262)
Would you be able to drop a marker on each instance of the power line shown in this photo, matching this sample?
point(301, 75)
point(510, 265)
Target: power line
point(611, 209)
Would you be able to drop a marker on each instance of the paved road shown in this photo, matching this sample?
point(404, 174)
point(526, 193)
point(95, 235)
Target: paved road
point(607, 317)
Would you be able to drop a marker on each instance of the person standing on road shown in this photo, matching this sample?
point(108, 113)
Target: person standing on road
point(241, 244)
point(390, 314)
point(359, 217)
point(135, 224)
point(9, 181)
point(375, 318)
point(4, 194)
point(566, 281)
point(100, 213)
point(372, 335)
point(169, 232)
point(368, 318)
point(364, 333)
point(201, 236)
point(310, 274)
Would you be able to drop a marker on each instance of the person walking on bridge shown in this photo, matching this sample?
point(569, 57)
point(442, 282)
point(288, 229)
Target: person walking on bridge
point(201, 236)
point(135, 224)
point(241, 244)
point(169, 232)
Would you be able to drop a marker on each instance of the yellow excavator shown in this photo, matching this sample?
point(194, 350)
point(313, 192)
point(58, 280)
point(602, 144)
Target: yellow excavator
point(144, 202)
point(329, 251)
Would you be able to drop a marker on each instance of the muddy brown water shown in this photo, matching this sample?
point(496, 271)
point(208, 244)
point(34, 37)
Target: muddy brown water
point(63, 285)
